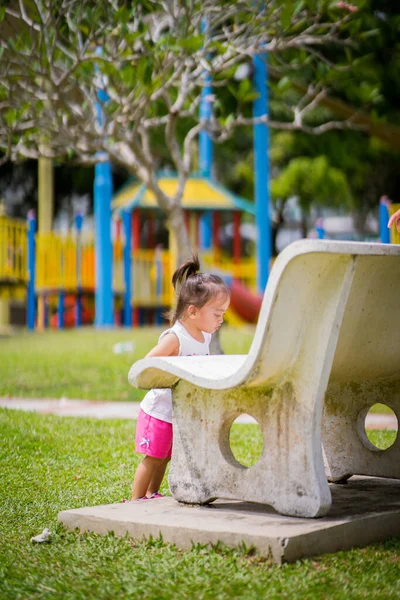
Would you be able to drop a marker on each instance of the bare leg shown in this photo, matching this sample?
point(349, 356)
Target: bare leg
point(144, 475)
point(157, 478)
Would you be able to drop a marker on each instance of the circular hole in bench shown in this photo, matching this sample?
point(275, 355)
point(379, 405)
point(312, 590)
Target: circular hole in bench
point(381, 426)
point(245, 440)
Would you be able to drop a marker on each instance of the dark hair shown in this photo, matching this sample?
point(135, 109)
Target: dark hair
point(196, 288)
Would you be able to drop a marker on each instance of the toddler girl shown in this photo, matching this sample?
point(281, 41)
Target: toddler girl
point(202, 302)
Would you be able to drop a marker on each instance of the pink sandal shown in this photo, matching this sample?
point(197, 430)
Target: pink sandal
point(137, 499)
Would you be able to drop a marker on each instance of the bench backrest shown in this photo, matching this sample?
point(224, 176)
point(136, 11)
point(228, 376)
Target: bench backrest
point(340, 298)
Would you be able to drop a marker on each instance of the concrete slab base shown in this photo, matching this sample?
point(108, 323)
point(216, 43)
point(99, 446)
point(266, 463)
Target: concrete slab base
point(363, 511)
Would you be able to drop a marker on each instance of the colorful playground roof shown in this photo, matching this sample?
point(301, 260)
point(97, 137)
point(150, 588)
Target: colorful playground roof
point(200, 193)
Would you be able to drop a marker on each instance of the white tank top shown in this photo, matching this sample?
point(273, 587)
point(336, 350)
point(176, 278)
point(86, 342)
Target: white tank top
point(158, 402)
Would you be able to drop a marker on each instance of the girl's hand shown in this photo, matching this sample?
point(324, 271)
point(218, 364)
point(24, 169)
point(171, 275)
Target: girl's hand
point(395, 218)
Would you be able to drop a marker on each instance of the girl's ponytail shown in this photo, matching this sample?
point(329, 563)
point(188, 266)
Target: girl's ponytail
point(188, 269)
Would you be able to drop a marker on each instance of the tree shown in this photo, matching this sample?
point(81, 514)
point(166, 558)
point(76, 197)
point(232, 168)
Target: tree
point(366, 91)
point(312, 181)
point(150, 56)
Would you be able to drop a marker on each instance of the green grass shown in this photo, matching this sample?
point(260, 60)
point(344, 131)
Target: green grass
point(50, 463)
point(380, 408)
point(81, 363)
point(246, 443)
point(382, 439)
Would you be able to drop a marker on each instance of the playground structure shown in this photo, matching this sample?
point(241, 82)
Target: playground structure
point(58, 268)
point(204, 203)
point(13, 266)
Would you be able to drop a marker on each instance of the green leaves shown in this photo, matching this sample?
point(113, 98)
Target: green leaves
point(144, 71)
point(193, 43)
point(130, 75)
point(298, 7)
point(243, 91)
point(313, 181)
point(13, 115)
point(284, 84)
point(286, 14)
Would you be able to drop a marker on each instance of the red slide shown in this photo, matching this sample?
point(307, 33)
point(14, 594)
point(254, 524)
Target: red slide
point(246, 304)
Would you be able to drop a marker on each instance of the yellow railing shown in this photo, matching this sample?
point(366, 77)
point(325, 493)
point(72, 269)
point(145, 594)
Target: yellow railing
point(394, 234)
point(245, 270)
point(151, 278)
point(56, 262)
point(67, 262)
point(118, 267)
point(87, 272)
point(13, 251)
point(151, 275)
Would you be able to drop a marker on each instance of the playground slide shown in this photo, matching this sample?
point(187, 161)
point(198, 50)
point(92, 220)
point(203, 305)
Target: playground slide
point(245, 305)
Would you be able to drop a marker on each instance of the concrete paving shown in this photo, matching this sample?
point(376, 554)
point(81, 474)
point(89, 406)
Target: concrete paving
point(363, 511)
point(66, 407)
point(99, 409)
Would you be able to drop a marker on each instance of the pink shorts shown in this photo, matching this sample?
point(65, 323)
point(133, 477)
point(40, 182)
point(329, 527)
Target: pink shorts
point(153, 436)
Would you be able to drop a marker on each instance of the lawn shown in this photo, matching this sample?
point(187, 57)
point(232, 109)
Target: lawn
point(50, 463)
point(81, 363)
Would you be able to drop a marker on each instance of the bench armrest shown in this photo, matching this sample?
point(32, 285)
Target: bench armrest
point(210, 372)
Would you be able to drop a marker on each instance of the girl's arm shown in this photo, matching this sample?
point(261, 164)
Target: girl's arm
point(168, 346)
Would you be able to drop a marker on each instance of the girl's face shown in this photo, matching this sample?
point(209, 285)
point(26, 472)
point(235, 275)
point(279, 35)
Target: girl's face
point(210, 317)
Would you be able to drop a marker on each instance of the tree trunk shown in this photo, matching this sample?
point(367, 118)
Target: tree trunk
point(277, 223)
point(215, 345)
point(178, 237)
point(304, 225)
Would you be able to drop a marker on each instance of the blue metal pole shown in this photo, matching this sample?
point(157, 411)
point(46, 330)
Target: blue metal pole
point(104, 316)
point(126, 219)
point(383, 221)
point(46, 312)
point(205, 155)
point(319, 227)
point(60, 309)
point(205, 141)
point(159, 319)
point(61, 296)
point(205, 234)
point(78, 308)
point(261, 165)
point(30, 317)
point(104, 309)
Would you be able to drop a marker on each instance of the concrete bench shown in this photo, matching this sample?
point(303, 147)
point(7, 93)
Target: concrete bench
point(326, 348)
